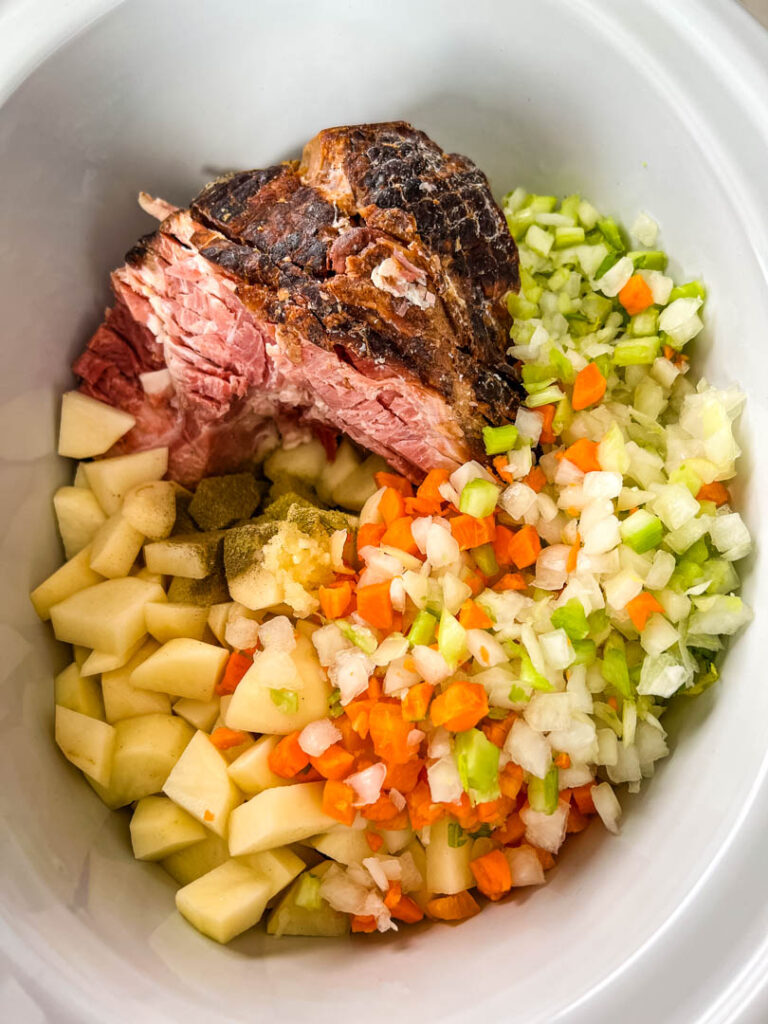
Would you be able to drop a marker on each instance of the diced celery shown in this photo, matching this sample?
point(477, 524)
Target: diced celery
point(529, 285)
point(609, 229)
point(614, 667)
point(537, 377)
point(517, 695)
point(698, 551)
point(565, 237)
point(690, 290)
point(543, 793)
point(610, 260)
point(286, 701)
point(643, 324)
point(599, 625)
point(686, 575)
point(451, 639)
point(723, 575)
point(546, 397)
point(519, 222)
point(457, 837)
point(596, 307)
point(569, 207)
point(588, 215)
point(308, 892)
point(585, 652)
point(563, 367)
point(539, 239)
point(649, 259)
point(540, 204)
point(606, 714)
point(478, 498)
point(335, 710)
point(641, 531)
point(497, 714)
point(530, 676)
point(558, 279)
point(360, 636)
point(499, 439)
point(513, 200)
point(478, 762)
point(563, 415)
point(520, 308)
point(485, 559)
point(422, 632)
point(572, 618)
point(687, 477)
point(636, 351)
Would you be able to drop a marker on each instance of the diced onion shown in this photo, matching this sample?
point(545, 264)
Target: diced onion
point(607, 806)
point(315, 738)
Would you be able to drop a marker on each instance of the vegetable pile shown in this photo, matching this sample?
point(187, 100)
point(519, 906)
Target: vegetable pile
point(403, 713)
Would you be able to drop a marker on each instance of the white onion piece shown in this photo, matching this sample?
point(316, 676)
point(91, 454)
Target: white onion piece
point(622, 588)
point(469, 471)
point(485, 649)
point(529, 423)
point(548, 711)
point(370, 510)
point(442, 548)
point(524, 866)
point(529, 749)
point(315, 738)
point(431, 664)
point(607, 806)
point(551, 572)
point(517, 499)
point(567, 473)
point(277, 634)
point(350, 671)
point(338, 540)
point(367, 783)
point(546, 830)
point(444, 781)
point(399, 678)
point(328, 641)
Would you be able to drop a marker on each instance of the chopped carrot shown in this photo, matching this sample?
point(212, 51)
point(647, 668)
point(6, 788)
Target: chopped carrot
point(510, 581)
point(512, 831)
point(224, 739)
point(429, 489)
point(359, 714)
point(375, 605)
point(536, 479)
point(334, 763)
point(391, 505)
point(511, 780)
point(397, 482)
point(374, 690)
point(421, 809)
point(492, 874)
point(453, 908)
point(338, 799)
point(394, 894)
point(470, 532)
point(500, 464)
point(525, 547)
point(335, 599)
point(582, 797)
point(562, 760)
point(370, 534)
point(635, 296)
point(385, 813)
point(589, 387)
point(390, 732)
point(612, 702)
point(350, 739)
point(415, 703)
point(287, 759)
point(472, 616)
point(583, 454)
point(502, 545)
point(374, 840)
point(547, 413)
point(237, 665)
point(577, 821)
point(475, 581)
point(546, 859)
point(716, 492)
point(406, 910)
point(363, 923)
point(496, 729)
point(573, 555)
point(460, 706)
point(208, 815)
point(493, 812)
point(641, 608)
point(422, 507)
point(463, 811)
point(398, 535)
point(404, 776)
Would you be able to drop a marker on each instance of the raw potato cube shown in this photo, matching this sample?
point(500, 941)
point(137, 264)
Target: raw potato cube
point(356, 489)
point(345, 845)
point(115, 547)
point(81, 478)
point(160, 828)
point(86, 742)
point(220, 501)
point(98, 662)
point(217, 620)
point(251, 771)
point(192, 556)
point(146, 749)
point(89, 427)
point(111, 479)
point(166, 621)
point(107, 617)
point(143, 573)
point(196, 861)
point(252, 707)
point(211, 590)
point(72, 691)
point(421, 896)
point(343, 466)
point(278, 816)
point(279, 866)
point(121, 700)
point(200, 784)
point(80, 654)
point(73, 576)
point(199, 713)
point(306, 462)
point(79, 516)
point(288, 918)
point(184, 668)
point(225, 902)
point(150, 508)
point(447, 866)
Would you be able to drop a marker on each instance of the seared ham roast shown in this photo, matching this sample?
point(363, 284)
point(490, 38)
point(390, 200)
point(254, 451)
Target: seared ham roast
point(360, 290)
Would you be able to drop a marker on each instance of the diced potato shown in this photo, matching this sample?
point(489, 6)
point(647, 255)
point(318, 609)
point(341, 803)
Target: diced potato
point(256, 588)
point(252, 707)
point(79, 516)
point(225, 902)
point(121, 700)
point(251, 771)
point(115, 547)
point(86, 742)
point(166, 621)
point(288, 918)
point(150, 508)
point(160, 828)
point(73, 691)
point(146, 749)
point(89, 427)
point(141, 572)
point(192, 556)
point(278, 816)
point(184, 668)
point(200, 784)
point(111, 479)
point(306, 462)
point(81, 478)
point(396, 840)
point(217, 620)
point(447, 866)
point(220, 501)
point(196, 861)
point(98, 662)
point(80, 654)
point(199, 713)
point(279, 866)
point(356, 489)
point(75, 575)
point(211, 590)
point(107, 617)
point(424, 895)
point(336, 472)
point(345, 845)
